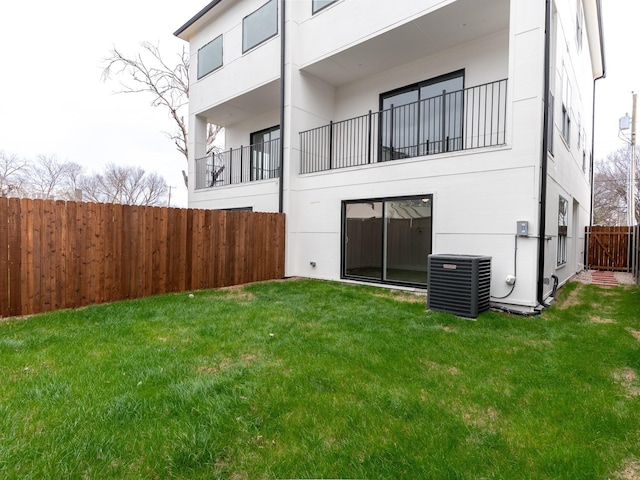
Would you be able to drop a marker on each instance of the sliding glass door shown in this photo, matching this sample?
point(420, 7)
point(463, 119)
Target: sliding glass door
point(387, 240)
point(423, 118)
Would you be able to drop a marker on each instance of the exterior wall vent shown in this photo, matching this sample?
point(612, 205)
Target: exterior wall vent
point(459, 284)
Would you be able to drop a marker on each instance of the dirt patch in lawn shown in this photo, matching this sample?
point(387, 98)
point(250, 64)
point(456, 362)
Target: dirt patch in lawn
point(480, 418)
point(227, 363)
point(440, 368)
point(237, 293)
point(402, 296)
point(630, 470)
point(635, 333)
point(628, 379)
point(571, 300)
point(596, 319)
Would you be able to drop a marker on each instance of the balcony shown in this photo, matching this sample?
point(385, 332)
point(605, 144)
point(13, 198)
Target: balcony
point(465, 119)
point(260, 161)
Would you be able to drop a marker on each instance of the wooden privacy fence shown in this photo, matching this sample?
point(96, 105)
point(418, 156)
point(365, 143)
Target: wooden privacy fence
point(56, 254)
point(611, 248)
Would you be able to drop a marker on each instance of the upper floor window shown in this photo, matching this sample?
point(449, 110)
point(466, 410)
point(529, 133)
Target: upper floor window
point(260, 25)
point(317, 5)
point(210, 57)
point(566, 106)
point(550, 128)
point(579, 24)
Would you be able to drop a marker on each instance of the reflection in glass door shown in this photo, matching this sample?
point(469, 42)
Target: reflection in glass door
point(407, 240)
point(363, 240)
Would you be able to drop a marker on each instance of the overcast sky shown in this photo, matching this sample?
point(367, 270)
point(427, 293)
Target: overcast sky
point(52, 99)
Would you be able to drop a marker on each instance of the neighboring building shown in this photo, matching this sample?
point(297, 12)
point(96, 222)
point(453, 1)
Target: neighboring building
point(404, 128)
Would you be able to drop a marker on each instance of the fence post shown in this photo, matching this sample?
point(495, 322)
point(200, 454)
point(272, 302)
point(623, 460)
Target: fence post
point(445, 146)
point(230, 166)
point(369, 135)
point(391, 126)
point(331, 145)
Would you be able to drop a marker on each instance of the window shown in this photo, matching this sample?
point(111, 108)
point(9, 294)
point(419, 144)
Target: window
point(265, 154)
point(579, 25)
point(550, 128)
point(210, 57)
point(423, 118)
point(317, 5)
point(563, 208)
point(260, 25)
point(566, 107)
point(387, 240)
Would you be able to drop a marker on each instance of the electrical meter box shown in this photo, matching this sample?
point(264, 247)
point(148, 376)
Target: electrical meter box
point(523, 228)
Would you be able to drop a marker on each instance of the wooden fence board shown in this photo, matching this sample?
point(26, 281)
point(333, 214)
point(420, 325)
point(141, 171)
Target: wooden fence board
point(4, 257)
point(15, 257)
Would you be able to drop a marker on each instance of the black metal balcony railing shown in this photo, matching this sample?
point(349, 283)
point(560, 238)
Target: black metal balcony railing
point(465, 119)
point(245, 164)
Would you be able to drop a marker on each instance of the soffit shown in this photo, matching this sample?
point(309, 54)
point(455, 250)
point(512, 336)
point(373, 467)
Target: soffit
point(455, 24)
point(246, 105)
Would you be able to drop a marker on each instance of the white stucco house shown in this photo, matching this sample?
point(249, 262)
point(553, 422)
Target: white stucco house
point(387, 131)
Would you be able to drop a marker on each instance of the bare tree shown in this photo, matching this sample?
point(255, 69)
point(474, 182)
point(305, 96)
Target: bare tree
point(48, 177)
point(126, 185)
point(610, 184)
point(12, 174)
point(166, 82)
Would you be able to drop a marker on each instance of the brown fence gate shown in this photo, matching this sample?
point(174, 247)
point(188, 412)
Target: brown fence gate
point(611, 248)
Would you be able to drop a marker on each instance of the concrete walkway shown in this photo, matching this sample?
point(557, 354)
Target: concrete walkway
point(604, 279)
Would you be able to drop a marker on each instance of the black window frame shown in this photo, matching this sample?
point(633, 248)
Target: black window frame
point(461, 73)
point(563, 227)
point(253, 169)
point(245, 48)
point(550, 124)
point(315, 10)
point(202, 75)
point(566, 107)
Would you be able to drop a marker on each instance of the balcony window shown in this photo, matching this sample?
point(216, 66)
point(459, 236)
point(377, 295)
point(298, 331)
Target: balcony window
point(210, 57)
point(265, 154)
point(423, 118)
point(317, 5)
point(260, 25)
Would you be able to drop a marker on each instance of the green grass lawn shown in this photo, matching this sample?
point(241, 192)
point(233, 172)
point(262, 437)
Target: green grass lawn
point(311, 379)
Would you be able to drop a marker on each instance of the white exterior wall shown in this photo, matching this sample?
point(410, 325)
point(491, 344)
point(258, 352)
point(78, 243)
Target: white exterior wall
point(567, 178)
point(478, 195)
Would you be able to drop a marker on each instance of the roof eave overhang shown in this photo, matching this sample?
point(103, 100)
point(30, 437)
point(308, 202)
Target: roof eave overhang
point(184, 32)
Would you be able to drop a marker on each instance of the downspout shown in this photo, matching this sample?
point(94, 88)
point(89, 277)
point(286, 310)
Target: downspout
point(282, 129)
point(542, 204)
point(593, 112)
